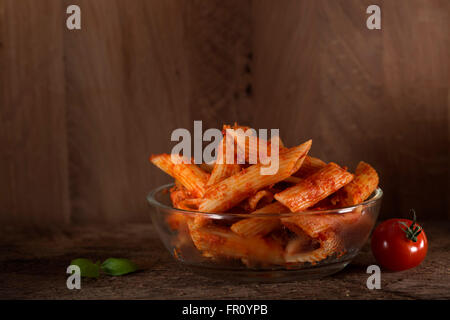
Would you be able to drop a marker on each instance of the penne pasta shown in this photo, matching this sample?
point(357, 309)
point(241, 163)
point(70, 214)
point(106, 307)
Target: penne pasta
point(222, 169)
point(178, 194)
point(220, 242)
point(249, 145)
point(330, 244)
point(260, 199)
point(324, 229)
point(189, 204)
point(365, 182)
point(176, 220)
point(311, 224)
point(292, 179)
point(325, 204)
point(314, 224)
point(274, 207)
point(314, 188)
point(259, 226)
point(231, 191)
point(301, 243)
point(252, 209)
point(189, 175)
point(310, 166)
point(221, 172)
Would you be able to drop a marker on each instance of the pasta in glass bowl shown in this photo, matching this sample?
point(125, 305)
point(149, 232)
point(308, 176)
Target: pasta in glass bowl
point(307, 218)
point(266, 245)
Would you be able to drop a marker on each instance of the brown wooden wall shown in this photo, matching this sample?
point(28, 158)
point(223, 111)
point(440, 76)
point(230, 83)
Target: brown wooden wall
point(80, 111)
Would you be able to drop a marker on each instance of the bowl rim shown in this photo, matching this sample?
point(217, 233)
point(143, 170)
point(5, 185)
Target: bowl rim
point(371, 201)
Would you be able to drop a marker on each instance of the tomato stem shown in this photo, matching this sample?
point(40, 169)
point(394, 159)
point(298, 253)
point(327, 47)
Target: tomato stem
point(413, 230)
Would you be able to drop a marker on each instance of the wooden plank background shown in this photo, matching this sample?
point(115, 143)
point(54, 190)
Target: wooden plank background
point(81, 111)
point(33, 136)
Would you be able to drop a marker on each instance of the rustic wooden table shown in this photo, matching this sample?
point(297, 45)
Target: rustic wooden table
point(33, 266)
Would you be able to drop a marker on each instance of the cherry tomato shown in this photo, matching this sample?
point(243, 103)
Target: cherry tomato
point(399, 244)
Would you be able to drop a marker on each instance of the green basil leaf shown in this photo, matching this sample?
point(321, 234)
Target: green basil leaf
point(87, 267)
point(118, 267)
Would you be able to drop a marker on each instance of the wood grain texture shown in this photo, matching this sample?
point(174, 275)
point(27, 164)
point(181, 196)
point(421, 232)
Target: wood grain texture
point(320, 73)
point(378, 96)
point(127, 83)
point(218, 35)
point(286, 69)
point(33, 144)
point(81, 111)
point(415, 106)
point(150, 68)
point(33, 267)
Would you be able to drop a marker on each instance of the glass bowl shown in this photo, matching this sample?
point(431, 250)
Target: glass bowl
point(305, 245)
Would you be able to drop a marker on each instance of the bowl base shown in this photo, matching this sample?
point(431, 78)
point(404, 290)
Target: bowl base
point(269, 276)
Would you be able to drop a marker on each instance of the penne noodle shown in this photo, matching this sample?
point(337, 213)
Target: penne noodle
point(180, 197)
point(365, 182)
point(311, 224)
point(314, 188)
point(310, 166)
point(220, 242)
point(322, 227)
point(275, 207)
point(231, 191)
point(260, 198)
point(330, 244)
point(189, 175)
point(300, 243)
point(222, 169)
point(176, 220)
point(292, 179)
point(178, 194)
point(181, 242)
point(252, 227)
point(315, 224)
point(266, 203)
point(325, 204)
point(248, 144)
point(189, 204)
point(178, 185)
point(259, 226)
point(221, 172)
